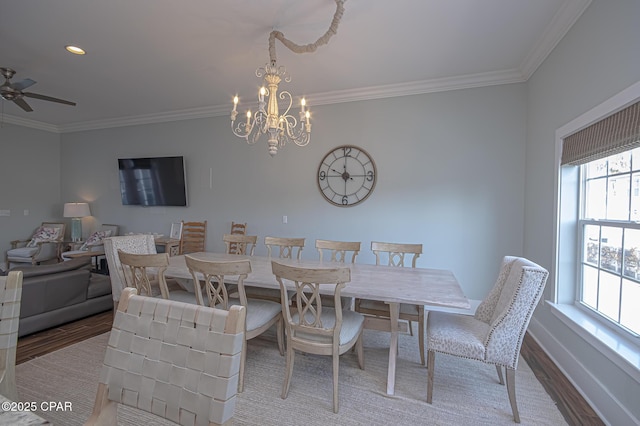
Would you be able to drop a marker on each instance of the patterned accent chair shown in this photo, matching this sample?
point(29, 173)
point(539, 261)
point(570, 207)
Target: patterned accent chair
point(494, 334)
point(10, 299)
point(202, 344)
point(137, 244)
point(45, 244)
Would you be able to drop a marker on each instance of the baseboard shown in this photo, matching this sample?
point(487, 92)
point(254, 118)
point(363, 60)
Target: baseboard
point(608, 408)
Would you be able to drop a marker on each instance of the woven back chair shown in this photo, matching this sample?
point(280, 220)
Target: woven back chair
point(10, 297)
point(177, 360)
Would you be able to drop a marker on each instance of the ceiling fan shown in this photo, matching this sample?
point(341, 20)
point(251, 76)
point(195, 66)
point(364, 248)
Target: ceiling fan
point(14, 91)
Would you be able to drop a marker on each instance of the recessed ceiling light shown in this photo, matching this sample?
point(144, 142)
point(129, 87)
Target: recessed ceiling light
point(75, 50)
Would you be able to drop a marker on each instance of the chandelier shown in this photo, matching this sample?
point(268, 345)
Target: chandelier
point(285, 127)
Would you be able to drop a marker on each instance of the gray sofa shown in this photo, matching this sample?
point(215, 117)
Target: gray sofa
point(59, 293)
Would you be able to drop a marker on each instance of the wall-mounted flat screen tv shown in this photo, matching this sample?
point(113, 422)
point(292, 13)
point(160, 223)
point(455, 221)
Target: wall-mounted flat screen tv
point(153, 181)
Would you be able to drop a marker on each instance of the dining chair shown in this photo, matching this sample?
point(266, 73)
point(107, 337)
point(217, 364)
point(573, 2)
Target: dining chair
point(240, 244)
point(10, 299)
point(145, 366)
point(137, 244)
point(339, 251)
point(315, 329)
point(194, 236)
point(215, 276)
point(145, 273)
point(286, 247)
point(237, 229)
point(394, 254)
point(494, 334)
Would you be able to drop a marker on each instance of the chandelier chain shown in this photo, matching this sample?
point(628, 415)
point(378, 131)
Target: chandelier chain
point(311, 47)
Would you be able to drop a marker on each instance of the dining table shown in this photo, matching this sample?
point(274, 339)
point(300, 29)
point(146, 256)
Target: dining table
point(389, 284)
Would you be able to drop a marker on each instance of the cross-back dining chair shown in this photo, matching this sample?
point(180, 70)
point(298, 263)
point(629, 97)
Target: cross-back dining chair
point(194, 236)
point(288, 248)
point(397, 255)
point(215, 277)
point(240, 244)
point(145, 273)
point(138, 244)
point(315, 329)
point(338, 251)
point(284, 248)
point(494, 334)
point(141, 372)
point(10, 299)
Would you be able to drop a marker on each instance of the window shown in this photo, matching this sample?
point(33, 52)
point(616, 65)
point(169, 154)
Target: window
point(610, 239)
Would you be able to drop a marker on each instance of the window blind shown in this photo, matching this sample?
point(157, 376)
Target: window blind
point(614, 134)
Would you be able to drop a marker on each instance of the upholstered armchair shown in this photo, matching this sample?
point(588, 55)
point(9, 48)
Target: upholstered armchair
point(95, 242)
point(494, 334)
point(44, 245)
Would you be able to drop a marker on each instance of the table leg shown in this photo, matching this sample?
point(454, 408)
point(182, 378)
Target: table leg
point(394, 311)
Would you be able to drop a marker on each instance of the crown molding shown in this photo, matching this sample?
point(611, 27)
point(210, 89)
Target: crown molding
point(24, 122)
point(367, 93)
point(560, 24)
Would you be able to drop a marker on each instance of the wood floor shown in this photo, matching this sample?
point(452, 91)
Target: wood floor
point(573, 407)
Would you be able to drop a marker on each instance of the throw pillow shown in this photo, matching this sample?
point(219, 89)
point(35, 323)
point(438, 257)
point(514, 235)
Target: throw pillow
point(95, 239)
point(44, 234)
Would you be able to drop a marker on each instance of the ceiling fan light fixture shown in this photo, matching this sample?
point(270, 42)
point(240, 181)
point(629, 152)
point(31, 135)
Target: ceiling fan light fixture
point(75, 50)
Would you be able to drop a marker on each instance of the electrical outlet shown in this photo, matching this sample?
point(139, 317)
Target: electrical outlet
point(284, 219)
point(26, 212)
point(5, 212)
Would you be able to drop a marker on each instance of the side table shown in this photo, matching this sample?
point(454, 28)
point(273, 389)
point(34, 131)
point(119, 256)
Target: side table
point(171, 246)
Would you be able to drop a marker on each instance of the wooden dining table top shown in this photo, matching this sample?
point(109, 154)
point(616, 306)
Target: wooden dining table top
point(418, 286)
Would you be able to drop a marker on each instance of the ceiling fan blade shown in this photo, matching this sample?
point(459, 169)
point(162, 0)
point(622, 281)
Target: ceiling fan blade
point(47, 98)
point(23, 104)
point(23, 84)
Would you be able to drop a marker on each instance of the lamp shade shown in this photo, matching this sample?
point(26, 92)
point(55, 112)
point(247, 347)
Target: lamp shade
point(76, 210)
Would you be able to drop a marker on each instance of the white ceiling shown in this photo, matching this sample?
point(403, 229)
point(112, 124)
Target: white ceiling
point(160, 60)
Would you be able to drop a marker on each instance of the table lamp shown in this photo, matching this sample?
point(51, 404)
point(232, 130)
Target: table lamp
point(76, 211)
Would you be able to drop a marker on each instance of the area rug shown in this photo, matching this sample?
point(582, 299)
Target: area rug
point(465, 392)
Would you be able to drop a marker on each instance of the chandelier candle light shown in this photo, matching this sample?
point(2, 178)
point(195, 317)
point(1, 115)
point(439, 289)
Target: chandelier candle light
point(280, 128)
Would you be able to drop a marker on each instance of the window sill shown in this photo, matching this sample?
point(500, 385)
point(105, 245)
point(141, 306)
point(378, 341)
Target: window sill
point(622, 352)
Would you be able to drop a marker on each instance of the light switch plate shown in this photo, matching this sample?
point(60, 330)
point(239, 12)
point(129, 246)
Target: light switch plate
point(5, 212)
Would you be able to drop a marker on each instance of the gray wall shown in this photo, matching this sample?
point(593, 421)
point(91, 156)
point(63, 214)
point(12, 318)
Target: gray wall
point(450, 176)
point(30, 180)
point(598, 58)
point(451, 166)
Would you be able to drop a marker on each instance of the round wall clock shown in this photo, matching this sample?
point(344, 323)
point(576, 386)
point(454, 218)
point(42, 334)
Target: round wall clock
point(346, 176)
